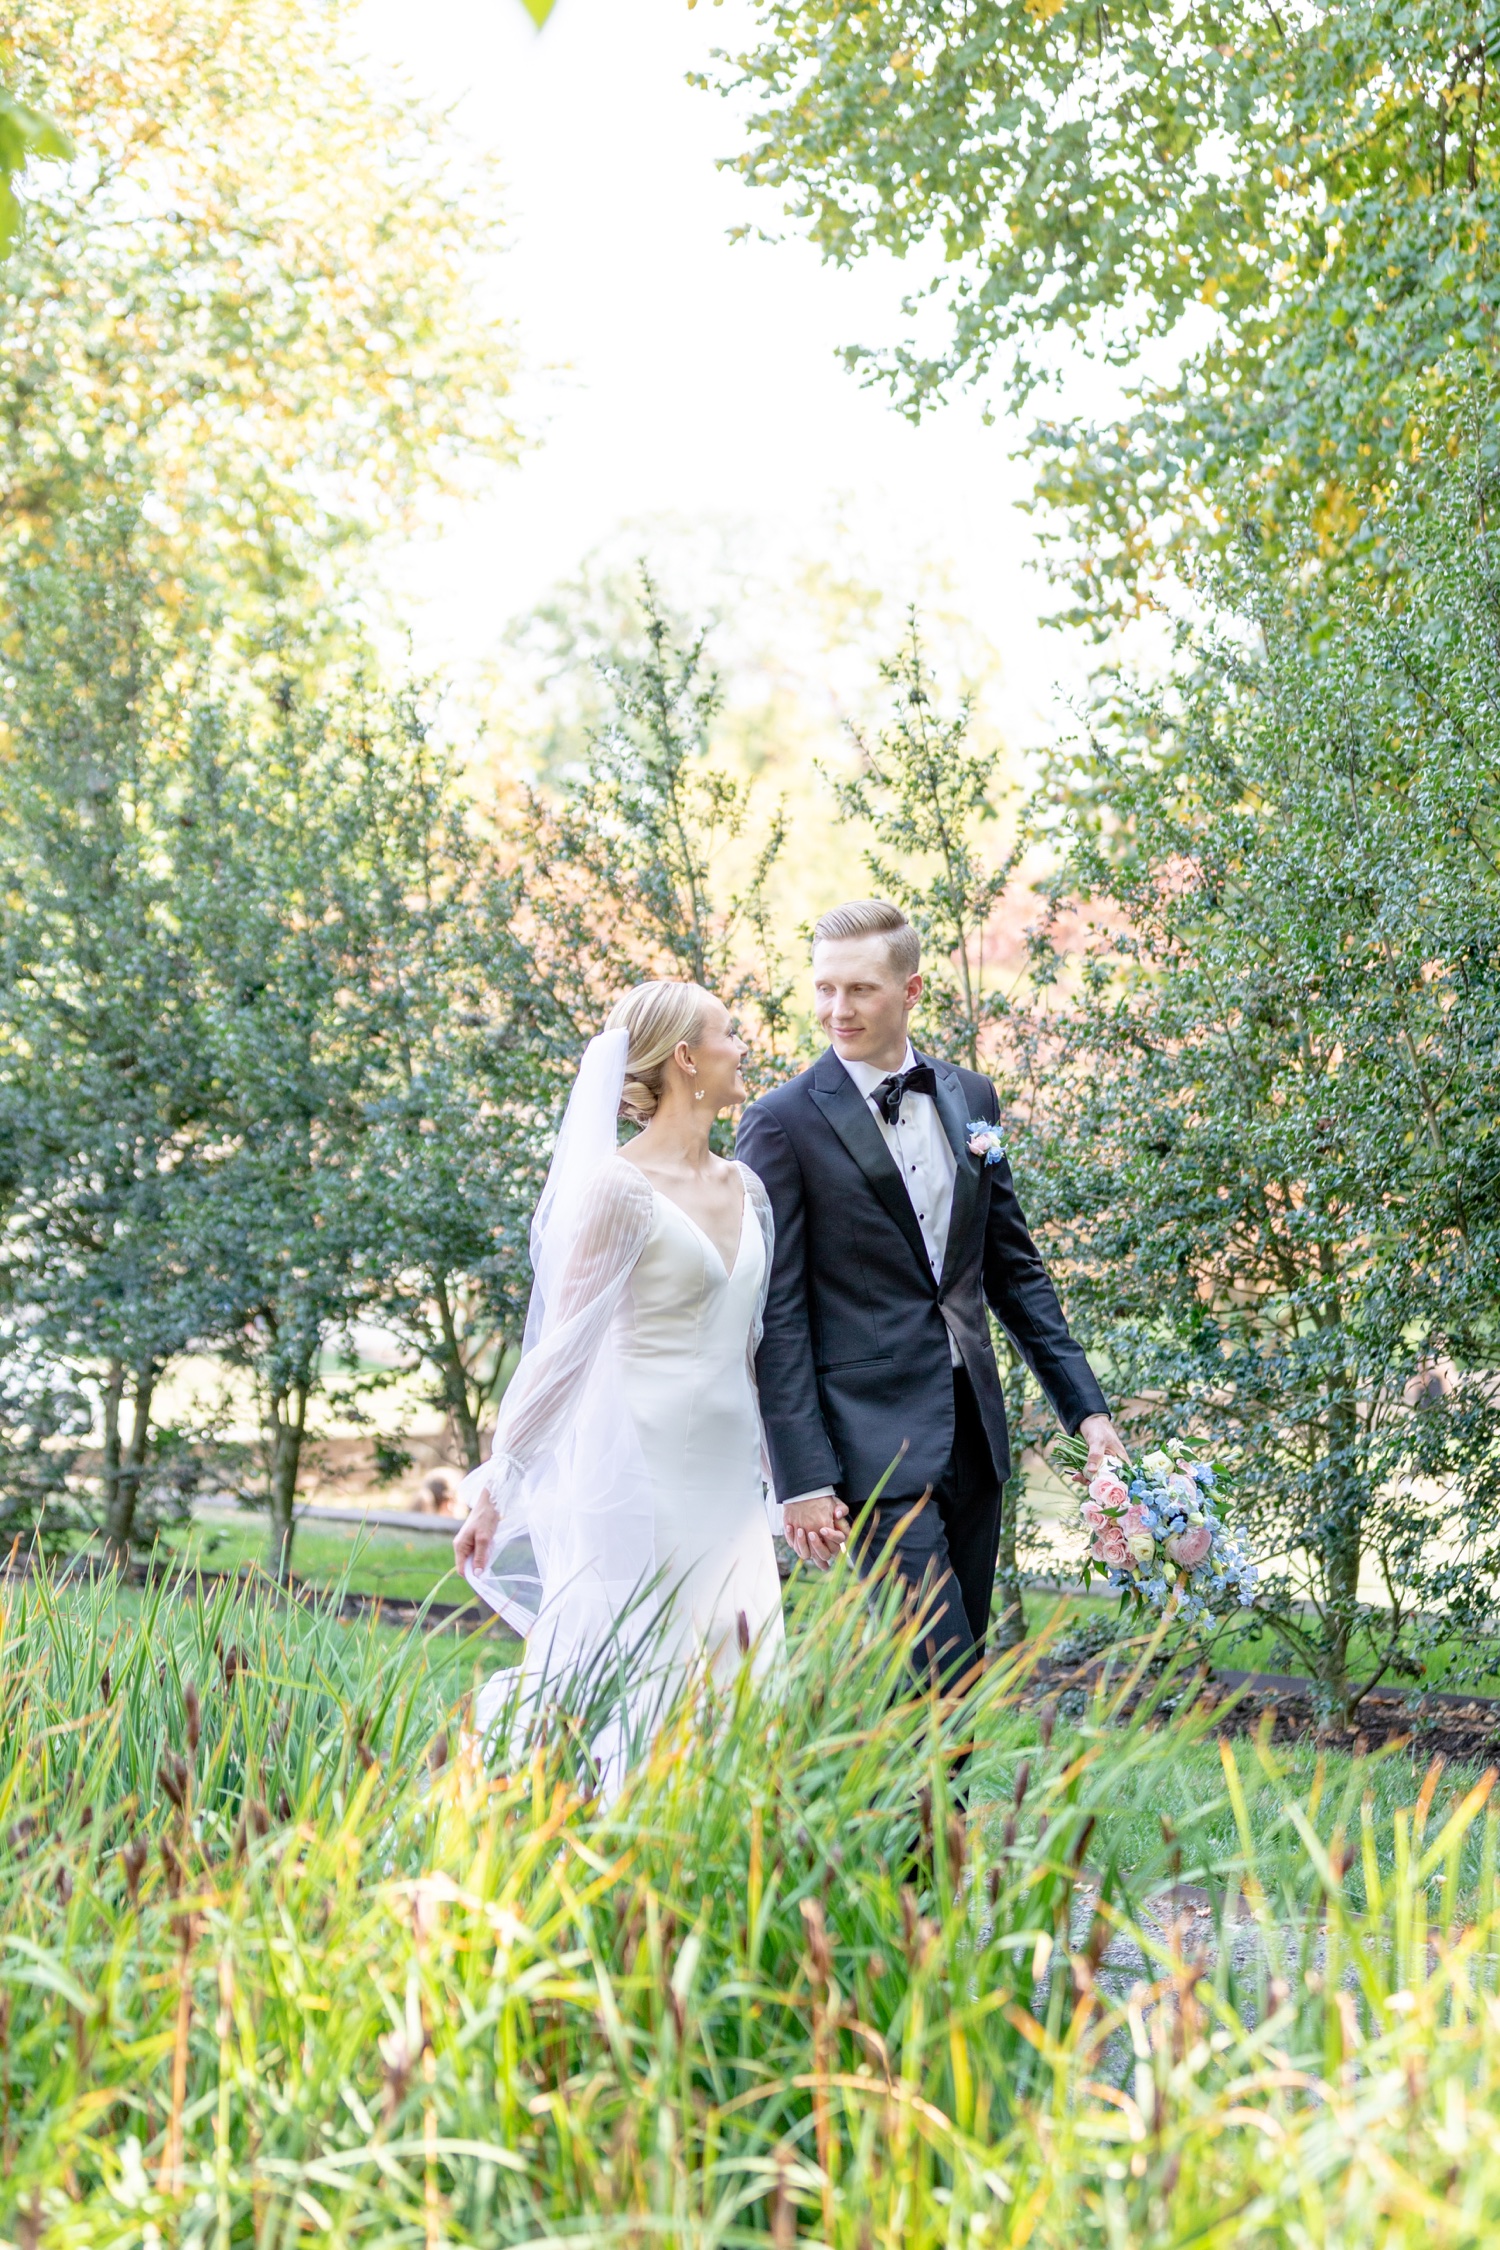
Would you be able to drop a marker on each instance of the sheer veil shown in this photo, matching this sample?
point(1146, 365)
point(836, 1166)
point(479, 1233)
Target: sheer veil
point(576, 1548)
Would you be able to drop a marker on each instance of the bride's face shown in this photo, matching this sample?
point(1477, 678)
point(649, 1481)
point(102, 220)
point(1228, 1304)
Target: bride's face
point(717, 1053)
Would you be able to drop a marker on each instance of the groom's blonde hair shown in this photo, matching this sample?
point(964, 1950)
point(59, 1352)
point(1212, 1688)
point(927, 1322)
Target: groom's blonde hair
point(874, 917)
point(658, 1018)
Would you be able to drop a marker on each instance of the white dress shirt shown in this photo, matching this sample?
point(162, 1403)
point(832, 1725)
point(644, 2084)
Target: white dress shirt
point(924, 1157)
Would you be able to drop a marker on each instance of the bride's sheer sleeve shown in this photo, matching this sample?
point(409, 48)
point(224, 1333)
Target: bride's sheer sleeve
point(760, 1204)
point(614, 1221)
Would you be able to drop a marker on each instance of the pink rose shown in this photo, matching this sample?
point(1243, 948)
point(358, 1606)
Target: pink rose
point(1190, 1548)
point(1108, 1490)
point(1110, 1547)
point(1093, 1515)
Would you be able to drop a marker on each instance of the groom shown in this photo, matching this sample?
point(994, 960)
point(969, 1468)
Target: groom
point(891, 1237)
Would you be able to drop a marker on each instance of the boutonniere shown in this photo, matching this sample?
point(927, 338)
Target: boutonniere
point(985, 1141)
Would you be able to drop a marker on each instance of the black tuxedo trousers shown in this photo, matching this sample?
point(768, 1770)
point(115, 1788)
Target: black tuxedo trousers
point(858, 1387)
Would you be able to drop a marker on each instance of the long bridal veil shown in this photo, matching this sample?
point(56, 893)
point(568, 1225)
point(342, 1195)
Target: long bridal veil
point(574, 1558)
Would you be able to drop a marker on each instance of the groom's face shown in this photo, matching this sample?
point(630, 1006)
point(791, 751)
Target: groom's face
point(862, 1003)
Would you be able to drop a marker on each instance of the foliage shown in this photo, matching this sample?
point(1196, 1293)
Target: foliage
point(625, 874)
point(24, 133)
point(371, 1160)
point(43, 1420)
point(1303, 203)
point(251, 1088)
point(106, 1090)
point(259, 298)
point(1266, 1127)
point(264, 1958)
point(925, 790)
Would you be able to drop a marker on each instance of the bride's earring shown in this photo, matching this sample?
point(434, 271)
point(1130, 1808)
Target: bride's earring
point(697, 1093)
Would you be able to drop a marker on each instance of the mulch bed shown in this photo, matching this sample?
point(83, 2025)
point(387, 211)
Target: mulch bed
point(1461, 1729)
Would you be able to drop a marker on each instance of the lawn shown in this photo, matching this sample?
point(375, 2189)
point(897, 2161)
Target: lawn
point(401, 1565)
point(409, 1566)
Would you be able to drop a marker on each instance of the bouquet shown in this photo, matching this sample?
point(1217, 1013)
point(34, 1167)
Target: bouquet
point(1157, 1531)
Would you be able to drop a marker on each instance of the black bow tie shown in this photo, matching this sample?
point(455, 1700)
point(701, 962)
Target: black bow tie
point(887, 1097)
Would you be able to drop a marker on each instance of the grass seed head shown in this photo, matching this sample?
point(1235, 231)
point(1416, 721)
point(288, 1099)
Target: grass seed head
point(133, 1862)
point(819, 1952)
point(958, 1848)
point(397, 2058)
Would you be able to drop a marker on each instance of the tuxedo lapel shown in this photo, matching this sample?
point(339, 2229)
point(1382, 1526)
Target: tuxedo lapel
point(847, 1111)
point(951, 1108)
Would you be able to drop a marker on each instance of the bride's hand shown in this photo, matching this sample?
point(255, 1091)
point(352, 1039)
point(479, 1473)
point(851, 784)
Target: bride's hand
point(474, 1541)
point(816, 1529)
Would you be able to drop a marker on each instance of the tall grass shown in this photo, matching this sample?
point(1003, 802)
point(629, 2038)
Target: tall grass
point(282, 1961)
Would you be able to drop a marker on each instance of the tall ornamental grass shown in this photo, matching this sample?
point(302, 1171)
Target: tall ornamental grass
point(283, 1961)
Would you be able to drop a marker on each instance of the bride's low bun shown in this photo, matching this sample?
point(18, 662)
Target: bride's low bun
point(658, 1017)
point(638, 1100)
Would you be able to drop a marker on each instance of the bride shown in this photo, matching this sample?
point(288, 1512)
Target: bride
point(624, 1496)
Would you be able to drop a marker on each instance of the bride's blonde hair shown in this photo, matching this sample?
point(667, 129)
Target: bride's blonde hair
point(658, 1018)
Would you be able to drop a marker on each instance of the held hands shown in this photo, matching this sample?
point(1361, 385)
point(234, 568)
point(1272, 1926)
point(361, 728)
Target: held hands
point(1103, 1441)
point(471, 1549)
point(816, 1529)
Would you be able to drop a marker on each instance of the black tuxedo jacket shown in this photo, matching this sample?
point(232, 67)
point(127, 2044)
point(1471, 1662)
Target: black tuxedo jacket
point(854, 1364)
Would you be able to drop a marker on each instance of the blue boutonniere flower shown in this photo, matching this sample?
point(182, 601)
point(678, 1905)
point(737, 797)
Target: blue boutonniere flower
point(985, 1141)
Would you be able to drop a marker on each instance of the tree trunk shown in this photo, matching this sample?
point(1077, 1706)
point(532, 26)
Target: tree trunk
point(1342, 1547)
point(288, 1429)
point(1008, 1628)
point(455, 1379)
point(109, 1474)
point(123, 1492)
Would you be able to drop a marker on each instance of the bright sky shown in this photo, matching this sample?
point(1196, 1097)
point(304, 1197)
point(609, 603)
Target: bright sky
point(672, 372)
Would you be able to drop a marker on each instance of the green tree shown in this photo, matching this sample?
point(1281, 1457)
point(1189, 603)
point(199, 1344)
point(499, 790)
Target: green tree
point(261, 297)
point(450, 1154)
point(1304, 203)
point(292, 814)
point(629, 866)
point(106, 1097)
point(1266, 1116)
point(925, 789)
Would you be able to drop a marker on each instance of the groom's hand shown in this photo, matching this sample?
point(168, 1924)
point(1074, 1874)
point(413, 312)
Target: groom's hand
point(816, 1528)
point(1103, 1441)
point(473, 1544)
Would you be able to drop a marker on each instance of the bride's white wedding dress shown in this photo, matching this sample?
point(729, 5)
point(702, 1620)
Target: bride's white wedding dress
point(627, 1463)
